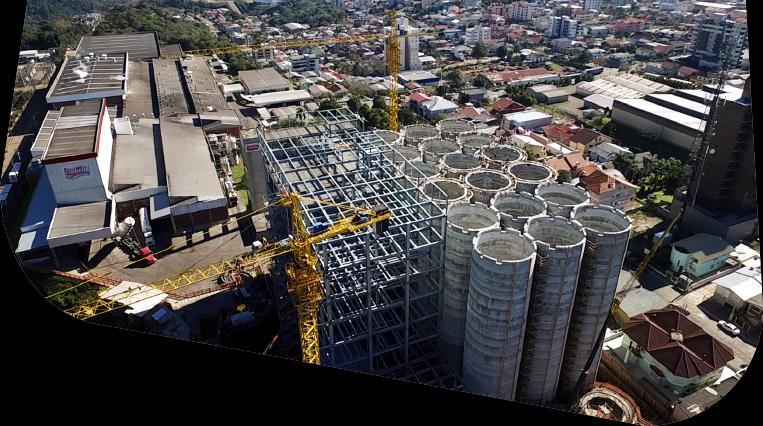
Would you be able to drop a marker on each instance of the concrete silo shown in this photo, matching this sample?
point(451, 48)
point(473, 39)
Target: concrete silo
point(607, 235)
point(528, 175)
point(560, 245)
point(514, 210)
point(562, 198)
point(419, 172)
point(433, 149)
point(486, 183)
point(415, 133)
point(465, 220)
point(451, 128)
point(500, 156)
point(499, 293)
point(456, 165)
point(473, 142)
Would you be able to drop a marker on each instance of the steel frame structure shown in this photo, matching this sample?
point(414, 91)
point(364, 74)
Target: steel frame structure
point(381, 304)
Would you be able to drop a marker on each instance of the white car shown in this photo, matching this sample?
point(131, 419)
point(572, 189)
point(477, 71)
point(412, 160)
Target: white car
point(729, 328)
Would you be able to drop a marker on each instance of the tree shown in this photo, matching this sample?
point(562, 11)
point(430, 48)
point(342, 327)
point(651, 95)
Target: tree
point(479, 50)
point(564, 176)
point(379, 102)
point(405, 116)
point(329, 103)
point(455, 80)
point(502, 51)
point(239, 62)
point(354, 103)
point(667, 175)
point(482, 81)
point(441, 90)
point(627, 166)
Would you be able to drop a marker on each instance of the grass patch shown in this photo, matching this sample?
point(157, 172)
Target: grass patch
point(239, 184)
point(49, 284)
point(660, 198)
point(239, 174)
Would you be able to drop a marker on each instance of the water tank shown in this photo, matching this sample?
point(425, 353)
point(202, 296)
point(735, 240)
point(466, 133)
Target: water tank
point(434, 148)
point(514, 210)
point(471, 143)
point(456, 165)
point(486, 183)
point(529, 174)
point(451, 128)
point(499, 292)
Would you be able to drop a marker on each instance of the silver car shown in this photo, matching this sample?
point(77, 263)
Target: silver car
point(729, 328)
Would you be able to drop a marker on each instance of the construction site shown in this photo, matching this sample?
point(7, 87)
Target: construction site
point(433, 254)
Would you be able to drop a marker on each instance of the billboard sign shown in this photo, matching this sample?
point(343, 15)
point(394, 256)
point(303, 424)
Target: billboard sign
point(76, 172)
point(252, 147)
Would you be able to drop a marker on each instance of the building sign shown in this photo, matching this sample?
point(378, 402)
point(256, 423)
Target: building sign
point(76, 172)
point(252, 147)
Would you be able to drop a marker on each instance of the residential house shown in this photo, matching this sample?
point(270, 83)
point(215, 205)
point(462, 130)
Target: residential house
point(606, 151)
point(608, 187)
point(699, 255)
point(472, 95)
point(571, 162)
point(437, 106)
point(578, 138)
point(506, 106)
point(672, 351)
point(417, 102)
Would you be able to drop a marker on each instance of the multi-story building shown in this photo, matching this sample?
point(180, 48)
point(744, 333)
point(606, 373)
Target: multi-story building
point(593, 4)
point(519, 11)
point(476, 35)
point(563, 26)
point(467, 4)
point(727, 199)
point(409, 46)
point(426, 4)
point(627, 26)
point(713, 33)
point(303, 63)
point(499, 9)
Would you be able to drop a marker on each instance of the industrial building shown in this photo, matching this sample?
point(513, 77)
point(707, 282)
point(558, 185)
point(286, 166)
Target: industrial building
point(263, 81)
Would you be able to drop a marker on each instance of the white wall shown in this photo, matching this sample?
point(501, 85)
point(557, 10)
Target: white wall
point(73, 187)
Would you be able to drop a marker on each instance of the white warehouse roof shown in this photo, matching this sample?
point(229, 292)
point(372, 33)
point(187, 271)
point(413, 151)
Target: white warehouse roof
point(693, 123)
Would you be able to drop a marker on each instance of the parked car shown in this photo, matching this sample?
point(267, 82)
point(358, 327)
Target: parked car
point(729, 328)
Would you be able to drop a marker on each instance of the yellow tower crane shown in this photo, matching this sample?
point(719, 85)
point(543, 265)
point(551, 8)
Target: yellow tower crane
point(303, 274)
point(393, 65)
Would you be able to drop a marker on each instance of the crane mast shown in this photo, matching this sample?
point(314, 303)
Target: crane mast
point(393, 64)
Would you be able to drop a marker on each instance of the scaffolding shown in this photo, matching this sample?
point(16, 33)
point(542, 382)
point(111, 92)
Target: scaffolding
point(381, 304)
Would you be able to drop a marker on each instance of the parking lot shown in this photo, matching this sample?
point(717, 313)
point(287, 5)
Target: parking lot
point(176, 254)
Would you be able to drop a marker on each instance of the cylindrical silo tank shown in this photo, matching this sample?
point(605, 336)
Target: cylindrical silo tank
point(415, 133)
point(500, 156)
point(456, 165)
point(465, 220)
point(419, 172)
point(390, 137)
point(452, 127)
point(434, 148)
point(400, 153)
point(514, 210)
point(473, 142)
point(499, 295)
point(560, 243)
point(486, 183)
point(607, 235)
point(446, 191)
point(562, 198)
point(529, 174)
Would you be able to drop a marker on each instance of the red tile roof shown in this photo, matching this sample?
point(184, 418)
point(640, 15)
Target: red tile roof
point(584, 136)
point(677, 342)
point(567, 162)
point(504, 105)
point(419, 97)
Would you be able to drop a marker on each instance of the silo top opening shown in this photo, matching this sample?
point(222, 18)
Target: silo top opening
point(555, 231)
point(471, 217)
point(519, 205)
point(504, 246)
point(502, 153)
point(447, 190)
point(461, 161)
point(530, 171)
point(563, 195)
point(602, 219)
point(488, 180)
